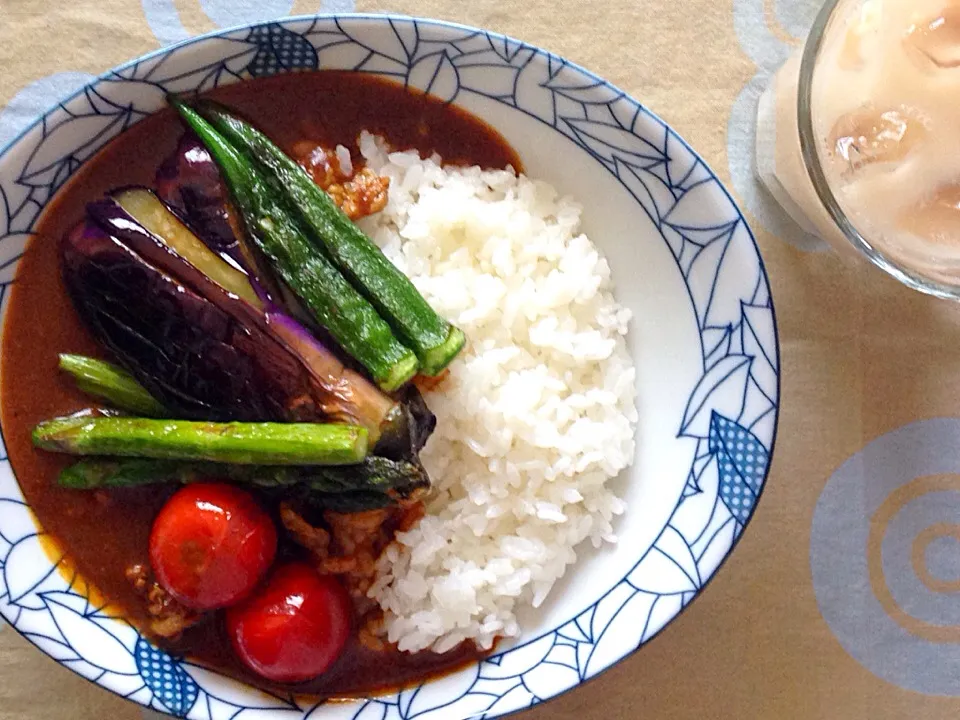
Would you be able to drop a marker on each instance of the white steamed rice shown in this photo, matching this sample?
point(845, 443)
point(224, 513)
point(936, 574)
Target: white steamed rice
point(537, 413)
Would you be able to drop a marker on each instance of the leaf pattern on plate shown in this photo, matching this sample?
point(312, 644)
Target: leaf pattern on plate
point(551, 676)
point(611, 142)
point(436, 75)
point(734, 400)
point(26, 569)
point(516, 663)
point(668, 568)
point(232, 692)
point(279, 50)
point(163, 675)
point(517, 698)
point(721, 389)
point(742, 461)
point(719, 540)
point(623, 631)
point(101, 648)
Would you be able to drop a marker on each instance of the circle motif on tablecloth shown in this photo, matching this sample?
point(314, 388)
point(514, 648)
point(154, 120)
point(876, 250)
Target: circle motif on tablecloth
point(883, 553)
point(165, 21)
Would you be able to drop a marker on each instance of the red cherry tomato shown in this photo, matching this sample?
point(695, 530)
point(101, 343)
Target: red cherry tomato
point(211, 544)
point(294, 627)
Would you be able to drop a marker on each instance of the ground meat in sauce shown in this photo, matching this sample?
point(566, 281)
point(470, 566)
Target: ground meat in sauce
point(350, 546)
point(357, 191)
point(168, 618)
point(426, 383)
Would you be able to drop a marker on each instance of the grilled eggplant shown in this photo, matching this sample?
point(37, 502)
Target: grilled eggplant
point(205, 351)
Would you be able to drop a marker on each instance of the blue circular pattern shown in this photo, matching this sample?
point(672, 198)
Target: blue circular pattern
point(227, 13)
point(164, 19)
point(840, 556)
point(942, 558)
point(906, 587)
point(730, 415)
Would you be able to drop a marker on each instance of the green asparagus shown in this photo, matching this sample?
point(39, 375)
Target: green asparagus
point(116, 386)
point(347, 315)
point(432, 338)
point(242, 443)
point(350, 502)
point(376, 482)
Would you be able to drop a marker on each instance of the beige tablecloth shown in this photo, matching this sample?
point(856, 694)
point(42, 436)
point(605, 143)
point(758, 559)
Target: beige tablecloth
point(788, 628)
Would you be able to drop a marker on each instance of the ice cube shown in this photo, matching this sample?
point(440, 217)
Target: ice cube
point(936, 39)
point(937, 218)
point(870, 135)
point(863, 32)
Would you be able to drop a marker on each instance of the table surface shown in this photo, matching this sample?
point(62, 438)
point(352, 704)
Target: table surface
point(791, 627)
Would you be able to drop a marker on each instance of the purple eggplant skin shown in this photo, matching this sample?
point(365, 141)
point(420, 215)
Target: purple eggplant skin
point(189, 182)
point(196, 359)
point(117, 222)
point(303, 379)
point(407, 424)
point(338, 393)
point(205, 353)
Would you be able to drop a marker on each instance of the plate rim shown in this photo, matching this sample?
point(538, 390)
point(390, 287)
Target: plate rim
point(114, 74)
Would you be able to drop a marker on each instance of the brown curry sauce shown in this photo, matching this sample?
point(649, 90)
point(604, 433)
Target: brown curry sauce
point(105, 531)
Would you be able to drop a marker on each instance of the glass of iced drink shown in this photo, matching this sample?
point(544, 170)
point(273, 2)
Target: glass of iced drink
point(859, 136)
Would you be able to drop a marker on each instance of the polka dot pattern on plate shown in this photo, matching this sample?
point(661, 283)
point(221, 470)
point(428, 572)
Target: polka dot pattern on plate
point(742, 464)
point(164, 676)
point(280, 50)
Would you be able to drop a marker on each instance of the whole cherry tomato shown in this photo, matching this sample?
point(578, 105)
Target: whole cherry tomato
point(211, 544)
point(294, 627)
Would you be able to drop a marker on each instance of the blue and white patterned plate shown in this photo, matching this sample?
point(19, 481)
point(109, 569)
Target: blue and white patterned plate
point(704, 340)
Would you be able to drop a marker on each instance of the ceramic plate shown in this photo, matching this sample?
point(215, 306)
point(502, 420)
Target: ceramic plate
point(704, 340)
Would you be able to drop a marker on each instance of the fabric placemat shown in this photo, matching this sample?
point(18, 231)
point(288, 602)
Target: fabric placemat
point(793, 625)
